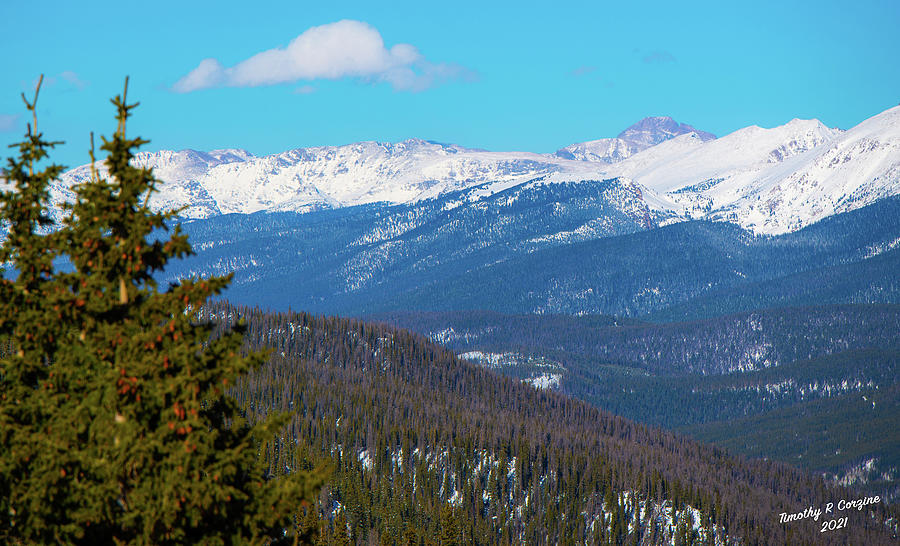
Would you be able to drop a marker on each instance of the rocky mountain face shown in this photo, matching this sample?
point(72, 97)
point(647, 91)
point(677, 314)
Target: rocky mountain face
point(655, 130)
point(642, 135)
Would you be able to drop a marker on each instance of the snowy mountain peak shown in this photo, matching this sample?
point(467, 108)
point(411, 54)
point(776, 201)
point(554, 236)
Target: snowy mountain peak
point(654, 130)
point(642, 135)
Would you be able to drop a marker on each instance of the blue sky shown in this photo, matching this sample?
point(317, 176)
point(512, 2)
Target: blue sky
point(269, 76)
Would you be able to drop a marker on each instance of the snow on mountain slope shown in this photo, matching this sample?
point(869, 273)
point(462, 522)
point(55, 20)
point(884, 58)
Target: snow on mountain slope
point(686, 161)
point(852, 170)
point(770, 180)
point(368, 172)
point(605, 150)
point(325, 177)
point(766, 180)
point(234, 181)
point(180, 172)
point(709, 179)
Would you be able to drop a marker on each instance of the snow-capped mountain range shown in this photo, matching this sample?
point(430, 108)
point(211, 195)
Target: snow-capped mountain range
point(766, 180)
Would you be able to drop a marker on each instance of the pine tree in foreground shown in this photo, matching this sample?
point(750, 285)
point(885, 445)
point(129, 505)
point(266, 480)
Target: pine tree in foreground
point(115, 425)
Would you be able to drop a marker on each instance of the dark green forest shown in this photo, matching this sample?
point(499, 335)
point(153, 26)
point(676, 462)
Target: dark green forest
point(793, 384)
point(429, 449)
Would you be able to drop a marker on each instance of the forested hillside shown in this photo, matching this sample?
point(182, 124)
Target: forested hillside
point(434, 450)
point(815, 385)
point(854, 437)
point(574, 248)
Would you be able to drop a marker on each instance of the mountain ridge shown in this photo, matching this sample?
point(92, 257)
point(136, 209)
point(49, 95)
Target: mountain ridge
point(766, 180)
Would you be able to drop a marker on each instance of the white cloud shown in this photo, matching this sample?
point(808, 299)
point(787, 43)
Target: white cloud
point(209, 73)
point(73, 78)
point(346, 49)
point(8, 122)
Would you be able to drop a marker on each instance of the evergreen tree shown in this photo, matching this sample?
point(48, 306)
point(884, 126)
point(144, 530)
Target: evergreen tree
point(115, 418)
point(449, 530)
point(341, 536)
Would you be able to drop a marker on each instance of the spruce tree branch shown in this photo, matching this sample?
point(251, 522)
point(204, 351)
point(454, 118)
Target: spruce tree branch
point(32, 127)
point(33, 107)
point(94, 177)
point(123, 111)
